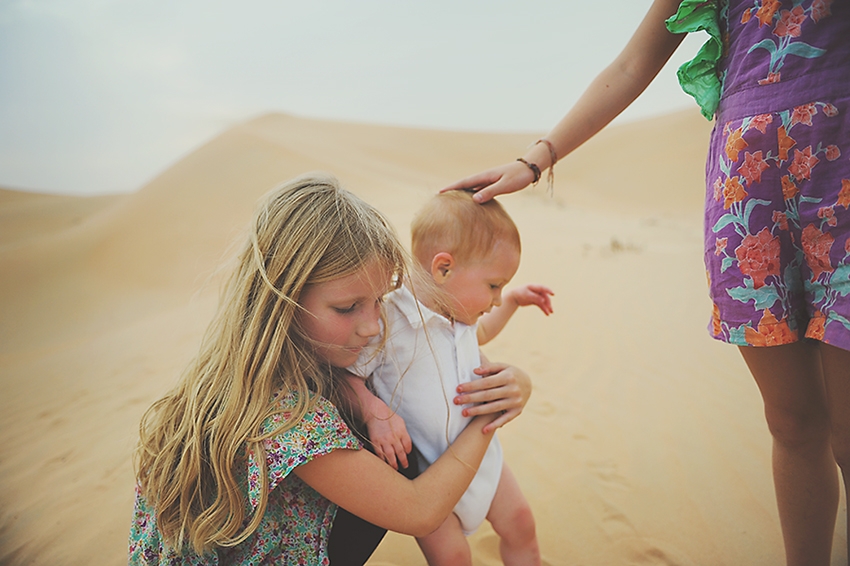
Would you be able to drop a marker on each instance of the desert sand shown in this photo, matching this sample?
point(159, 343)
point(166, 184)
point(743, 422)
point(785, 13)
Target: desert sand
point(643, 442)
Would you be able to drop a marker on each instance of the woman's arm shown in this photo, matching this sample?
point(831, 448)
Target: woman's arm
point(613, 90)
point(364, 485)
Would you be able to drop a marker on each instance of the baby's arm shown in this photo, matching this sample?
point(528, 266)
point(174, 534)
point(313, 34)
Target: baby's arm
point(494, 321)
point(387, 431)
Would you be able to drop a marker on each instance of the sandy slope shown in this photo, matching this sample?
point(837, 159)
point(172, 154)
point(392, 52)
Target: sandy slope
point(643, 443)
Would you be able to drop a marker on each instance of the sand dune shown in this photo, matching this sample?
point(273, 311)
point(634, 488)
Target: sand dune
point(643, 443)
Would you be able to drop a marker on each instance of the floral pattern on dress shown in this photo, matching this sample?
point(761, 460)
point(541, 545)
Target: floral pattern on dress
point(297, 520)
point(787, 29)
point(780, 242)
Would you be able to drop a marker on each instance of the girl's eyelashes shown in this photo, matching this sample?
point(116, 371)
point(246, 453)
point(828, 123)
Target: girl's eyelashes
point(353, 307)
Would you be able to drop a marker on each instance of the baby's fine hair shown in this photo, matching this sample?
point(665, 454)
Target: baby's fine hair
point(306, 231)
point(452, 222)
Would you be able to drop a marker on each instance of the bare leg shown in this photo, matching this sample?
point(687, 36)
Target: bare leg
point(513, 521)
point(447, 545)
point(836, 370)
point(791, 382)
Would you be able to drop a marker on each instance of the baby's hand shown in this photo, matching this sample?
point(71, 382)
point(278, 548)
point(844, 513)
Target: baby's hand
point(388, 435)
point(502, 389)
point(532, 294)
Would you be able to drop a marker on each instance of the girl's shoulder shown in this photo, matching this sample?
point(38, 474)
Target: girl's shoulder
point(320, 431)
point(320, 426)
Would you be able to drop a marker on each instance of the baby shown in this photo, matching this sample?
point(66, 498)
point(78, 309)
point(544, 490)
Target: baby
point(471, 251)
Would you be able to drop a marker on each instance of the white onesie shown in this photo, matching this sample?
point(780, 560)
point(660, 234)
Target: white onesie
point(419, 384)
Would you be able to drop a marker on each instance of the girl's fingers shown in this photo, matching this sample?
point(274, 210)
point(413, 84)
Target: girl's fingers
point(506, 417)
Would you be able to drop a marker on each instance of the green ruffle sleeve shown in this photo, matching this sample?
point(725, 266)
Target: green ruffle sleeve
point(698, 77)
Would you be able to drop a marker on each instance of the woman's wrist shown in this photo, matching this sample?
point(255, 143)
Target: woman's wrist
point(539, 155)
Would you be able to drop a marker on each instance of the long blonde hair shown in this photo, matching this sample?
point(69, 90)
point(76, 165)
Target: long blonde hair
point(193, 441)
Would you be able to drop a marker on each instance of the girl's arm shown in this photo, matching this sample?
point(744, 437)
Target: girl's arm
point(387, 431)
point(494, 321)
point(608, 95)
point(364, 485)
point(502, 391)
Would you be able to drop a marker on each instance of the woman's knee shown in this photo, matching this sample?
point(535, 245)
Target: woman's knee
point(796, 429)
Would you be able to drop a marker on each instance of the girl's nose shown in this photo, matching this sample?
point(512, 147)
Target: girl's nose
point(370, 325)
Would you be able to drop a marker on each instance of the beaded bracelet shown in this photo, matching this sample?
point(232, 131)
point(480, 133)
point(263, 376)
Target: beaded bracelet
point(534, 169)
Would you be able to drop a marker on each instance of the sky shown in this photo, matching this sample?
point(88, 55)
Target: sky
point(100, 96)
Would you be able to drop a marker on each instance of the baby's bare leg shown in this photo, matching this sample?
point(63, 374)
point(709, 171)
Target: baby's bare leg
point(447, 545)
point(513, 521)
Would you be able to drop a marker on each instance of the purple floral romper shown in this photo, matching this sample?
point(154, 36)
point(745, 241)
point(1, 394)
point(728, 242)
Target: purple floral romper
point(777, 232)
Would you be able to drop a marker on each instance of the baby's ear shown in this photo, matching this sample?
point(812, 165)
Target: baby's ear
point(441, 267)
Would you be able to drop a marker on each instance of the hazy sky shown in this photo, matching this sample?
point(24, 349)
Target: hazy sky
point(101, 95)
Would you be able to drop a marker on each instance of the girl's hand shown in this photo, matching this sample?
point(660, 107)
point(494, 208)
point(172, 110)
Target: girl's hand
point(502, 389)
point(532, 295)
point(500, 180)
point(388, 435)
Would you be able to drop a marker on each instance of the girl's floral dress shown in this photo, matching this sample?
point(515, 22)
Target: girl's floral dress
point(297, 521)
point(777, 234)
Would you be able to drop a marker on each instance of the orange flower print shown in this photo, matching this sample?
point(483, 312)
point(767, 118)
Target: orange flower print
point(758, 256)
point(716, 329)
point(816, 326)
point(786, 142)
point(771, 332)
point(830, 110)
point(803, 163)
point(771, 78)
point(844, 194)
point(790, 22)
point(832, 152)
point(780, 219)
point(752, 167)
point(828, 214)
point(734, 144)
point(733, 192)
point(820, 10)
point(803, 114)
point(761, 121)
point(765, 13)
point(816, 246)
point(789, 189)
point(847, 246)
point(720, 245)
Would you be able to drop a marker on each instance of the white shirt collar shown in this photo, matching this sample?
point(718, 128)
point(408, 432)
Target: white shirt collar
point(416, 313)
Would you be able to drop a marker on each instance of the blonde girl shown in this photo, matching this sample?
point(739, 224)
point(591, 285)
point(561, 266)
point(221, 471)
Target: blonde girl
point(248, 457)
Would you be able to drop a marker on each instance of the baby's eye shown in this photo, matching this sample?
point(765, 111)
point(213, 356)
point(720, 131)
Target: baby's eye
point(345, 310)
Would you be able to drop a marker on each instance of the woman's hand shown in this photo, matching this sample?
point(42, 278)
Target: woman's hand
point(502, 389)
point(501, 180)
